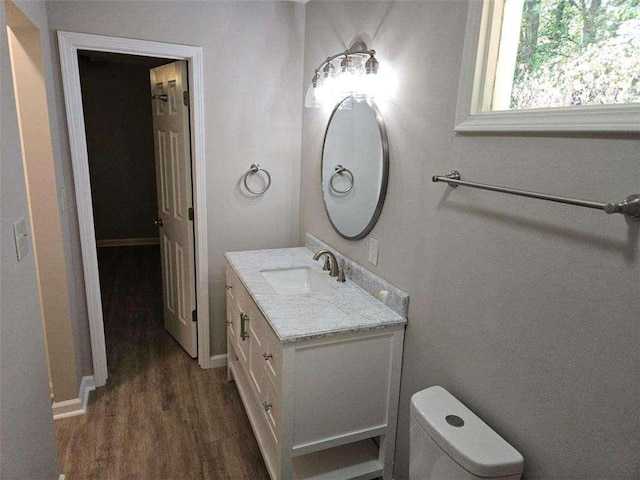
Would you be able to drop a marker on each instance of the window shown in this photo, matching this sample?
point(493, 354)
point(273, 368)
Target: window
point(551, 65)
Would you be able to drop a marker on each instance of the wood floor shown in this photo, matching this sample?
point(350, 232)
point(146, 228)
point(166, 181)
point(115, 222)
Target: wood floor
point(160, 416)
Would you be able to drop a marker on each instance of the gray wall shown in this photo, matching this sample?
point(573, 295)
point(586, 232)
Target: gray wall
point(117, 115)
point(37, 13)
point(27, 441)
point(253, 74)
point(526, 311)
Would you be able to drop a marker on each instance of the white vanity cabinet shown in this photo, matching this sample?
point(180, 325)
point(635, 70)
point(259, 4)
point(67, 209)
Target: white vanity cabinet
point(323, 408)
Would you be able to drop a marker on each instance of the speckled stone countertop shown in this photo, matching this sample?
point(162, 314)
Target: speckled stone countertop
point(348, 308)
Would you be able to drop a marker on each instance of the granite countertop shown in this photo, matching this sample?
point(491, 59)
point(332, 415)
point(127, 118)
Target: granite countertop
point(348, 308)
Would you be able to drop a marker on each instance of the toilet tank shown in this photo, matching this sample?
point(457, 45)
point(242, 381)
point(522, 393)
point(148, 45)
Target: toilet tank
point(449, 442)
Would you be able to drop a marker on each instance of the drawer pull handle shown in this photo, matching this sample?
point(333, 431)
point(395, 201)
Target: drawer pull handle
point(267, 406)
point(267, 356)
point(244, 318)
point(228, 287)
point(229, 324)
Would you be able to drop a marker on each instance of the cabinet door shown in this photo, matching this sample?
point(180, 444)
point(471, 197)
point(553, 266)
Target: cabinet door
point(243, 318)
point(258, 347)
point(244, 344)
point(241, 324)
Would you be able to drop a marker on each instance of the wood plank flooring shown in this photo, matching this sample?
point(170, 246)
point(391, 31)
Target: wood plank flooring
point(160, 416)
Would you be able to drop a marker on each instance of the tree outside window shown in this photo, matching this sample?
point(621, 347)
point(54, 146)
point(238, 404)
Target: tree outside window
point(576, 52)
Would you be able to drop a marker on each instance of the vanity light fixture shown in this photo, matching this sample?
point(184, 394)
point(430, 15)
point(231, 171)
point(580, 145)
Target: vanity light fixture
point(357, 68)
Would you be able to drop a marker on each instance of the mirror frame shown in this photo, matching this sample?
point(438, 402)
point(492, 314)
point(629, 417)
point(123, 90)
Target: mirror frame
point(385, 171)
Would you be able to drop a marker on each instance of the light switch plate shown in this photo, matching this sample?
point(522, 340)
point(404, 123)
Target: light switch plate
point(21, 237)
point(373, 251)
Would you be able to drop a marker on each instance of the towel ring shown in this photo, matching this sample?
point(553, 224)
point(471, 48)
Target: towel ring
point(255, 168)
point(339, 170)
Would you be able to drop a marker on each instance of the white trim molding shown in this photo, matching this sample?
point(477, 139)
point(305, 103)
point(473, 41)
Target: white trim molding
point(75, 406)
point(218, 361)
point(477, 76)
point(69, 43)
point(127, 242)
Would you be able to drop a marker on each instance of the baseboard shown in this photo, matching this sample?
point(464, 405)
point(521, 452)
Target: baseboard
point(218, 361)
point(75, 406)
point(128, 242)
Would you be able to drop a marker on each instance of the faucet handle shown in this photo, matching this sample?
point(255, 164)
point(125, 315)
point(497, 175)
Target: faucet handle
point(327, 263)
point(343, 269)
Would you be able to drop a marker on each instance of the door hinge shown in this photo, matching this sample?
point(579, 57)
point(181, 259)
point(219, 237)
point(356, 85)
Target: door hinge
point(194, 315)
point(191, 213)
point(185, 98)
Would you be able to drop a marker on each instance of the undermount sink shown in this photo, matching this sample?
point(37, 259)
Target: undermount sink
point(297, 281)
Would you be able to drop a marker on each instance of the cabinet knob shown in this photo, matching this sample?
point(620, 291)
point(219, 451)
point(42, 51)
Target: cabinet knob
point(267, 356)
point(267, 406)
point(228, 287)
point(229, 324)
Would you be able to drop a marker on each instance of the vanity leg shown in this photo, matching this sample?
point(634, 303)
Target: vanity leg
point(286, 421)
point(388, 441)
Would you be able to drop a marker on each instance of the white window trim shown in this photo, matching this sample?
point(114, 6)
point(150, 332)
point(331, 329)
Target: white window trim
point(478, 61)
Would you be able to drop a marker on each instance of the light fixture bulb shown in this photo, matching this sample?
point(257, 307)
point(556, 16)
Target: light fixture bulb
point(345, 64)
point(371, 67)
point(311, 98)
point(314, 81)
point(328, 70)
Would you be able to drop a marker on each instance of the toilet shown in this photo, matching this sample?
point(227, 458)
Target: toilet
point(449, 442)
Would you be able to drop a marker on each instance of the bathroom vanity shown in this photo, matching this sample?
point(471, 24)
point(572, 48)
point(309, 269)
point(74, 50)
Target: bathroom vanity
point(317, 364)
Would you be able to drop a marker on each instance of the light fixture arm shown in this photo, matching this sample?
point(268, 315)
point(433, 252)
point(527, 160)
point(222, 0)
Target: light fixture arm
point(346, 53)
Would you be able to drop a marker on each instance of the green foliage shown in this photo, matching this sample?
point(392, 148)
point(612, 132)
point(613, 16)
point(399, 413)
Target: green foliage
point(559, 35)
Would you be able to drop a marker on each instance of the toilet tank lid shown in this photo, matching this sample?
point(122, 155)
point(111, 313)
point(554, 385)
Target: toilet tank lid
point(473, 445)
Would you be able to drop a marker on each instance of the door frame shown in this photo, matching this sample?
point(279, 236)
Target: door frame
point(69, 43)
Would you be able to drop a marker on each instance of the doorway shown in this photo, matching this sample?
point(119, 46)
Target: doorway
point(140, 172)
point(70, 45)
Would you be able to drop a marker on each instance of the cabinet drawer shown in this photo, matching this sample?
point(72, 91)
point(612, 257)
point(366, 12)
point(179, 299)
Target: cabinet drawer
point(273, 355)
point(245, 302)
point(232, 320)
point(237, 291)
point(231, 283)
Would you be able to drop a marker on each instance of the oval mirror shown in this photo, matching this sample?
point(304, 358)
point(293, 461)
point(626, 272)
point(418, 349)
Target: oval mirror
point(355, 167)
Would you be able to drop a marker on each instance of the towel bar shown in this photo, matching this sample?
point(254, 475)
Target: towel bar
point(630, 206)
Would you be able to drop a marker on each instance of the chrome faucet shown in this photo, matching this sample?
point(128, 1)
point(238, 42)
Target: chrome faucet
point(333, 263)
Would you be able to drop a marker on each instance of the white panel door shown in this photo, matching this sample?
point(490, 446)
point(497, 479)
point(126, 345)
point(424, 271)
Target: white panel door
point(173, 177)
